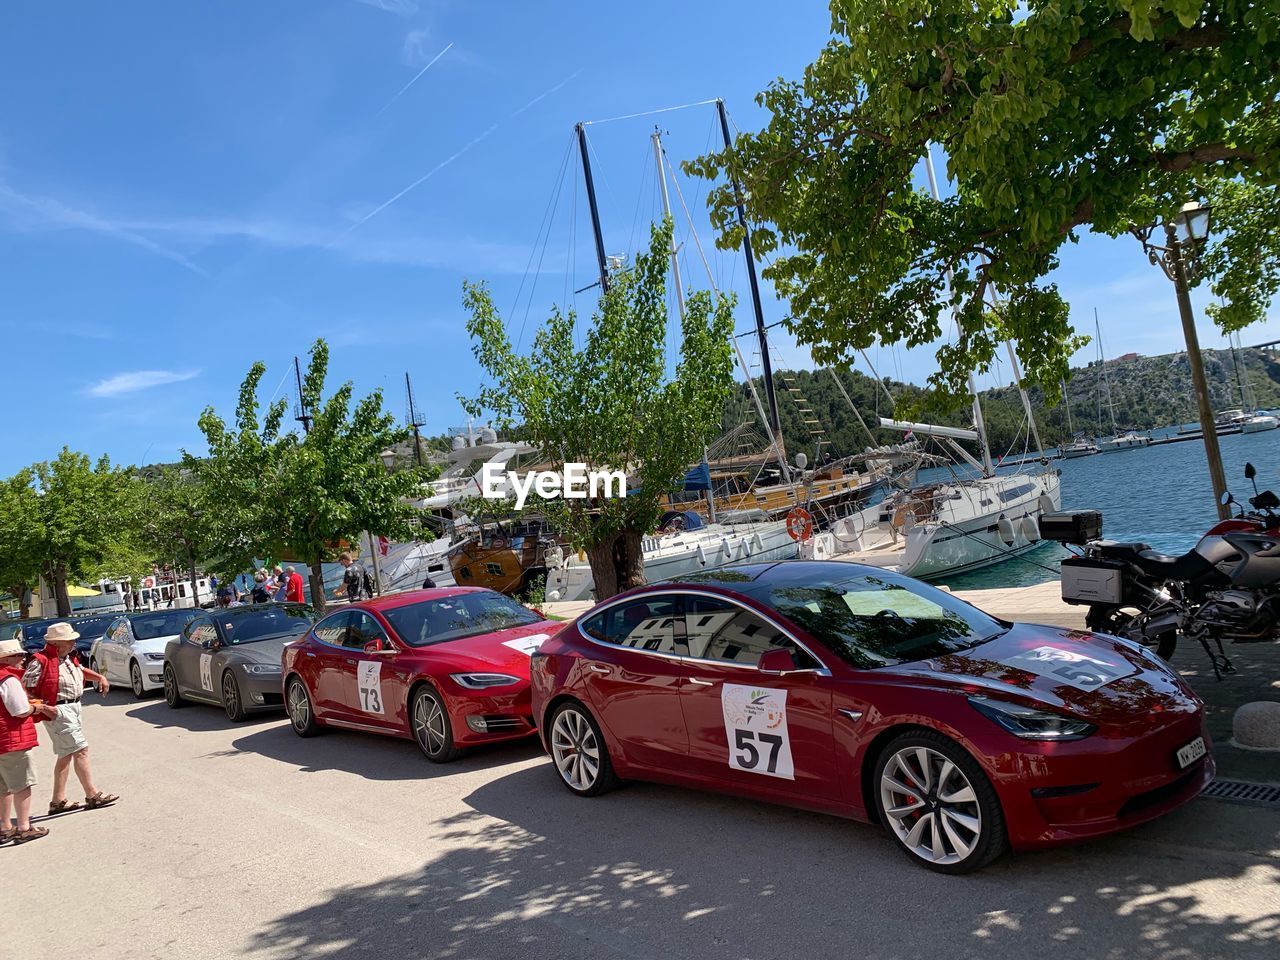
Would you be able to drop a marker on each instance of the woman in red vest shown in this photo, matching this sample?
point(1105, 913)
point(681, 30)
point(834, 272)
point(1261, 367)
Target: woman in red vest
point(17, 740)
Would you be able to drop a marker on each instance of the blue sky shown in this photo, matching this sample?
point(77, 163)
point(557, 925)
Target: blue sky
point(187, 188)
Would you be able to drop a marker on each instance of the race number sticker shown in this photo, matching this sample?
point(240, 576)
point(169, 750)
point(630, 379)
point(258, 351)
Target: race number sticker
point(527, 645)
point(369, 685)
point(206, 671)
point(755, 723)
point(1071, 667)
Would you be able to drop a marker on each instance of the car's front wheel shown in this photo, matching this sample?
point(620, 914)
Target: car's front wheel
point(298, 702)
point(938, 804)
point(231, 700)
point(172, 696)
point(135, 680)
point(432, 730)
point(579, 752)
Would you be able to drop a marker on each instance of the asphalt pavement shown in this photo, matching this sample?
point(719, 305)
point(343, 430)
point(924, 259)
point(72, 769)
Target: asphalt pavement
point(246, 841)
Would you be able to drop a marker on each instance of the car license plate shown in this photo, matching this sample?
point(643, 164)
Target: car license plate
point(1192, 752)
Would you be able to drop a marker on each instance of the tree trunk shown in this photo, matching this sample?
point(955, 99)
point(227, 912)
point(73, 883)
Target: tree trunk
point(60, 589)
point(316, 576)
point(617, 564)
point(195, 579)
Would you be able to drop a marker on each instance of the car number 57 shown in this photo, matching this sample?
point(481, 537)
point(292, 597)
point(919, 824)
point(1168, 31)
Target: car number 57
point(755, 727)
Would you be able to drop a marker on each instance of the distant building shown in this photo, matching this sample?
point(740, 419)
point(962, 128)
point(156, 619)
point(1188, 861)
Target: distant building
point(1128, 356)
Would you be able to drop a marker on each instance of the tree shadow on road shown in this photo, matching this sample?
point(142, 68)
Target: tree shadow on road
point(372, 756)
point(651, 871)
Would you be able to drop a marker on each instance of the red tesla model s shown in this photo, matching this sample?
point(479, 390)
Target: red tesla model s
point(848, 689)
point(447, 667)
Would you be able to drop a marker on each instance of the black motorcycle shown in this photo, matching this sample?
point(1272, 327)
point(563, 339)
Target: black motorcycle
point(1227, 587)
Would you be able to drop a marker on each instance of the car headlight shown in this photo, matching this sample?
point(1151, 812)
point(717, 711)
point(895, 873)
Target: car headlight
point(482, 681)
point(154, 657)
point(262, 669)
point(1030, 723)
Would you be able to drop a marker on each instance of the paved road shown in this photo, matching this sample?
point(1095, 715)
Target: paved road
point(245, 841)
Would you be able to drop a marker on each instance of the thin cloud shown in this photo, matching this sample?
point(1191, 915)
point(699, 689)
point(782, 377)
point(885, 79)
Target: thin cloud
point(405, 8)
point(416, 76)
point(37, 212)
point(444, 163)
point(136, 380)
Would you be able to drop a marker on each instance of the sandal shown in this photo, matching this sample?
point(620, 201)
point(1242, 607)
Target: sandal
point(99, 800)
point(62, 806)
point(7, 835)
point(35, 833)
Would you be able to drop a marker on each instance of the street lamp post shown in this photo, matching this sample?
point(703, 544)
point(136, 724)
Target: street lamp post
point(1180, 260)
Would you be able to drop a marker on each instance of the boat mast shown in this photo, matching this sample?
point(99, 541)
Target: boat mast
point(414, 422)
point(601, 259)
point(1102, 359)
point(979, 424)
point(656, 136)
point(1066, 403)
point(766, 364)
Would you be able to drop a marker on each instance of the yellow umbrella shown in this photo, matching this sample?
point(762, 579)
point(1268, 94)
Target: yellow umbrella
point(75, 591)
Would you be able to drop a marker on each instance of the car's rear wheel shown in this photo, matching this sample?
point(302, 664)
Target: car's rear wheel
point(231, 700)
point(171, 695)
point(432, 730)
point(298, 702)
point(938, 804)
point(135, 680)
point(579, 753)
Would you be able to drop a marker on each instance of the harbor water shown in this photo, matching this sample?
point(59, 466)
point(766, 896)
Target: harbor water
point(1158, 495)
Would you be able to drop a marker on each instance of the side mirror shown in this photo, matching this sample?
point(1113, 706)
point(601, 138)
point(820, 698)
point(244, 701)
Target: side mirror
point(379, 648)
point(1226, 499)
point(776, 661)
point(1249, 471)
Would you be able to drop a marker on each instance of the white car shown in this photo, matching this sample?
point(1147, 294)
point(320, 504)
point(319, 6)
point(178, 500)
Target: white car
point(132, 649)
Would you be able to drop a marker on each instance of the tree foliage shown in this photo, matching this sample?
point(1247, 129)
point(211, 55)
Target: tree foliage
point(1055, 116)
point(275, 493)
point(609, 402)
point(21, 560)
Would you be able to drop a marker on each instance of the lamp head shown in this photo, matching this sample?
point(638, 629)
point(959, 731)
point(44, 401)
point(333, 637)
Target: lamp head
point(1192, 222)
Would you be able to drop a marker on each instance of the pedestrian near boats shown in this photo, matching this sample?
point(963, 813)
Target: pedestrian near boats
point(354, 579)
point(57, 678)
point(17, 741)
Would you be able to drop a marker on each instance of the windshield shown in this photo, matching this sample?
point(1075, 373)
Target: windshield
point(251, 624)
point(162, 623)
point(36, 631)
point(91, 627)
point(452, 618)
point(881, 619)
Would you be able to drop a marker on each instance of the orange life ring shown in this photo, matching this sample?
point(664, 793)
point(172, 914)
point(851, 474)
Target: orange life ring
point(799, 524)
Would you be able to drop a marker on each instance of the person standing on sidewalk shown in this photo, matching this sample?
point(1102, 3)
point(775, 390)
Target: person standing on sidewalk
point(294, 592)
point(354, 580)
point(17, 740)
point(57, 678)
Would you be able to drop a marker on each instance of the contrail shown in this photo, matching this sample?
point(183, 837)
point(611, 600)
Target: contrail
point(415, 79)
point(444, 163)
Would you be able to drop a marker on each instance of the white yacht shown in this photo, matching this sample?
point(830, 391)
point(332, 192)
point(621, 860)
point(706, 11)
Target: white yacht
point(1078, 448)
point(1123, 441)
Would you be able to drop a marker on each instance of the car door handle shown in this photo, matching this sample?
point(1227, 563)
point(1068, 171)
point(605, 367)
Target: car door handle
point(702, 683)
point(597, 668)
point(310, 654)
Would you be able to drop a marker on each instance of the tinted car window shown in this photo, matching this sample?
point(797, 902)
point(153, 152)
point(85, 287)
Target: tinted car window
point(333, 630)
point(719, 630)
point(642, 625)
point(250, 624)
point(880, 619)
point(364, 629)
point(202, 632)
point(162, 623)
point(91, 627)
point(9, 630)
point(461, 615)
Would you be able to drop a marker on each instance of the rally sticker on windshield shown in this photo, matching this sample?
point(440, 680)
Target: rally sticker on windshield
point(527, 645)
point(755, 723)
point(206, 671)
point(369, 685)
point(1071, 667)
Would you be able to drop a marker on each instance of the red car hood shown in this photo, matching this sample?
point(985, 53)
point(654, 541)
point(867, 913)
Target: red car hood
point(504, 651)
point(1091, 676)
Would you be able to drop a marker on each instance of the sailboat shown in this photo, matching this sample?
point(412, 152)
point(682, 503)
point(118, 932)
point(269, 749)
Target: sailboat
point(1128, 440)
point(1078, 446)
point(1247, 418)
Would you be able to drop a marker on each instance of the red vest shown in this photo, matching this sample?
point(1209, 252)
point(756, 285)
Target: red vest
point(47, 688)
point(16, 733)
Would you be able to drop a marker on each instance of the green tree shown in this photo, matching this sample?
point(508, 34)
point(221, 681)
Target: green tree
point(172, 521)
point(270, 493)
point(21, 559)
point(1055, 116)
point(610, 404)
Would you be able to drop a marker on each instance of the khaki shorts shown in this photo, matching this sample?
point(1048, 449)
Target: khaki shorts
point(65, 732)
point(17, 772)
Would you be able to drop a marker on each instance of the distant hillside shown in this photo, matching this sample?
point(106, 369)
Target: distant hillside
point(1147, 392)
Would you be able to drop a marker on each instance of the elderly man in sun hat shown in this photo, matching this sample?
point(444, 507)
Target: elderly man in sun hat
point(57, 678)
point(17, 740)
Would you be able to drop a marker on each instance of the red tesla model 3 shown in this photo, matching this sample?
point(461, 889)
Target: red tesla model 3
point(848, 689)
point(447, 667)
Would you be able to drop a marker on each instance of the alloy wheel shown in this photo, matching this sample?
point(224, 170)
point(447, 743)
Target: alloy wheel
point(575, 750)
point(230, 696)
point(299, 706)
point(135, 680)
point(931, 805)
point(430, 725)
point(171, 696)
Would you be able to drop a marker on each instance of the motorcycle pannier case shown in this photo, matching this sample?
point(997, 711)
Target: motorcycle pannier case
point(1090, 580)
point(1071, 526)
